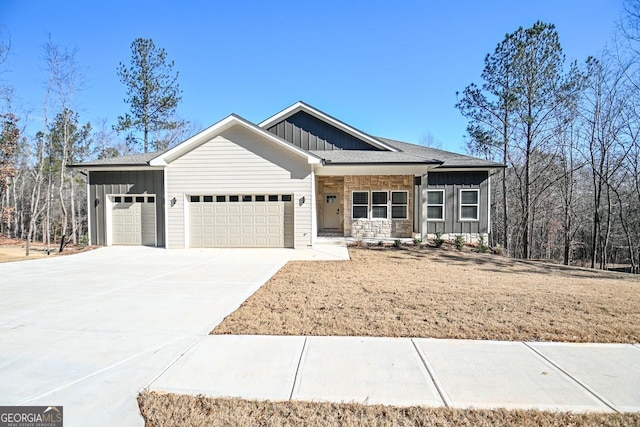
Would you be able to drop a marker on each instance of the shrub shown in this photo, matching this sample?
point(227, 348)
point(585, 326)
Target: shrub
point(438, 241)
point(396, 243)
point(380, 243)
point(84, 241)
point(459, 242)
point(417, 242)
point(482, 244)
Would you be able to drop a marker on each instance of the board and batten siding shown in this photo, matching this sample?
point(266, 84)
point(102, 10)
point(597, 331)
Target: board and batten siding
point(310, 133)
point(104, 183)
point(452, 183)
point(239, 162)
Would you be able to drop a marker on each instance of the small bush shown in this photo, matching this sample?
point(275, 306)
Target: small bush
point(459, 242)
point(438, 241)
point(482, 244)
point(84, 241)
point(380, 243)
point(396, 243)
point(417, 242)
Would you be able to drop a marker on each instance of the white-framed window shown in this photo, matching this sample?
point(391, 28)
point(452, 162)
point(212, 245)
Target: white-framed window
point(360, 204)
point(399, 205)
point(469, 205)
point(379, 204)
point(435, 205)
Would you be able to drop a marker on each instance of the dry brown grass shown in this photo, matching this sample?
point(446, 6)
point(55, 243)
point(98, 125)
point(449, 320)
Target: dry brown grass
point(442, 294)
point(165, 410)
point(14, 250)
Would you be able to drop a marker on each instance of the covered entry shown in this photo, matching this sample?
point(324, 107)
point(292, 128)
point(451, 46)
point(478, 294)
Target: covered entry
point(248, 221)
point(133, 220)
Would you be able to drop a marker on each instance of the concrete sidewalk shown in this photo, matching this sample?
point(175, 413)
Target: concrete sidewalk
point(411, 371)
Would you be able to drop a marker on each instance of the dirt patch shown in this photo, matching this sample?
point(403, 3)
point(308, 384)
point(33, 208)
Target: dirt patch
point(442, 294)
point(14, 250)
point(178, 410)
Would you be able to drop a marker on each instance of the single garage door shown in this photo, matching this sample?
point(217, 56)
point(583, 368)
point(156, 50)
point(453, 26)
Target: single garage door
point(248, 221)
point(133, 220)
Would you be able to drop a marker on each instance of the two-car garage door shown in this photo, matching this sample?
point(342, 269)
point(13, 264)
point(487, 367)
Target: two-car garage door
point(240, 221)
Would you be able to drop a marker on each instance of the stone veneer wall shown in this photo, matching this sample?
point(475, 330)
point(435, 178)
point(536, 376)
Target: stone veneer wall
point(377, 228)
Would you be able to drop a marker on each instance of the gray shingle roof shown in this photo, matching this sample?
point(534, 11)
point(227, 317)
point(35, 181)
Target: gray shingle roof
point(448, 158)
point(140, 159)
point(368, 156)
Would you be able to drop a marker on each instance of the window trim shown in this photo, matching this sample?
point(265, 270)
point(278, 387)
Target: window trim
point(476, 205)
point(406, 205)
point(353, 205)
point(443, 191)
point(386, 204)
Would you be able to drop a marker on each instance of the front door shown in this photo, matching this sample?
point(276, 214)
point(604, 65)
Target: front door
point(332, 218)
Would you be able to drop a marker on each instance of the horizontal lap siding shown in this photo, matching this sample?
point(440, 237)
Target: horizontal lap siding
point(239, 162)
point(452, 183)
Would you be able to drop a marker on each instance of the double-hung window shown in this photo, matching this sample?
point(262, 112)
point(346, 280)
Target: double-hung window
point(360, 205)
point(379, 204)
point(435, 205)
point(399, 205)
point(469, 205)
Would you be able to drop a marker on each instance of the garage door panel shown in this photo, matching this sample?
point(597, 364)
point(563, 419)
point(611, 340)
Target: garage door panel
point(242, 224)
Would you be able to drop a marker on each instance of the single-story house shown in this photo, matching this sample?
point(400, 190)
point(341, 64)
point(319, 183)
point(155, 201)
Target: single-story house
point(281, 183)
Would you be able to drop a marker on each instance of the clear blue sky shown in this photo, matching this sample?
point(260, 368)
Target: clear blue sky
point(390, 68)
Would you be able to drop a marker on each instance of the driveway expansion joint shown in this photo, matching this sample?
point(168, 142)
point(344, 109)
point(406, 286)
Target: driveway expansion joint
point(295, 377)
point(572, 378)
point(432, 375)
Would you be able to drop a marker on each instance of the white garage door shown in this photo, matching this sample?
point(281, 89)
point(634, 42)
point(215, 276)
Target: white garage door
point(228, 221)
point(133, 220)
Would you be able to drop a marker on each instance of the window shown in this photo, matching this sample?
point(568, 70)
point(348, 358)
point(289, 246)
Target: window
point(273, 198)
point(469, 205)
point(399, 204)
point(151, 199)
point(435, 205)
point(286, 197)
point(360, 205)
point(379, 206)
point(221, 199)
point(234, 198)
point(207, 199)
point(194, 199)
point(259, 198)
point(247, 198)
point(139, 199)
point(128, 199)
point(117, 199)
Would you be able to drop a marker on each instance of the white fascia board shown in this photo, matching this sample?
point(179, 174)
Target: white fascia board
point(301, 106)
point(108, 168)
point(194, 141)
point(217, 129)
point(344, 170)
point(469, 169)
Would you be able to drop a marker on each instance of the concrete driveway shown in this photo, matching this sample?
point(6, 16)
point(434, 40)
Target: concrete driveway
point(89, 331)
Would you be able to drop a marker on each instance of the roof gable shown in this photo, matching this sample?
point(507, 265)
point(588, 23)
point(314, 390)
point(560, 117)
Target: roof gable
point(301, 125)
point(218, 128)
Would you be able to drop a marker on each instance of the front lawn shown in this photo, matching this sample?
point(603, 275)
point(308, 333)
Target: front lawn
point(439, 293)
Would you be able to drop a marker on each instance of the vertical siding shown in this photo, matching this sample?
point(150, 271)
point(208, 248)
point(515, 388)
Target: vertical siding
point(452, 183)
point(239, 162)
point(311, 133)
point(103, 183)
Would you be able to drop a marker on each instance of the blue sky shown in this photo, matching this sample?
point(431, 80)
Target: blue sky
point(390, 68)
